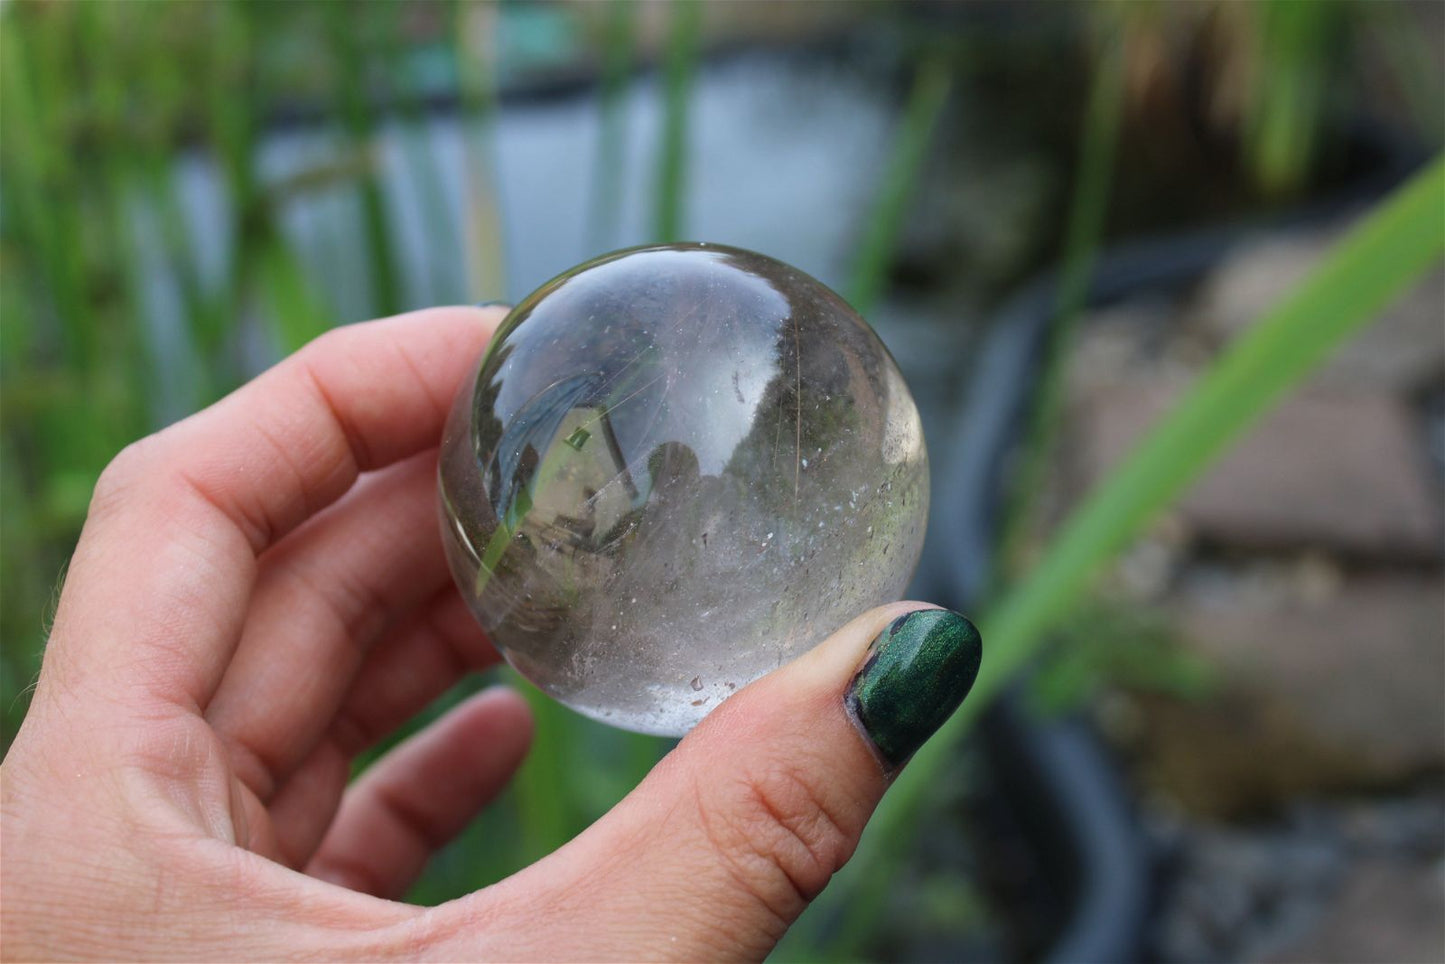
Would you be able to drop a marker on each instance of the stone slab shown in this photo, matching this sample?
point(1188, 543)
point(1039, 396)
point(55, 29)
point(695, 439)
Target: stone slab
point(1343, 471)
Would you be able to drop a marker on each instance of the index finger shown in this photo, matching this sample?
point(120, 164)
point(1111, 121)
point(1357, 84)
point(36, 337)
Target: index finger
point(158, 587)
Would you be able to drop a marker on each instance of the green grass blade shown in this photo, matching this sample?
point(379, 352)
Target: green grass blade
point(544, 788)
point(476, 30)
point(682, 52)
point(885, 220)
point(1411, 65)
point(39, 172)
point(1087, 216)
point(444, 282)
point(1287, 106)
point(297, 312)
point(359, 118)
point(607, 174)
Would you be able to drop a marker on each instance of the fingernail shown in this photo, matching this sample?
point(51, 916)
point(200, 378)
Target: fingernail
point(915, 674)
point(493, 304)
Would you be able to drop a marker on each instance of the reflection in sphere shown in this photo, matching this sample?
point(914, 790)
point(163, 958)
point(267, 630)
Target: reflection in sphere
point(678, 468)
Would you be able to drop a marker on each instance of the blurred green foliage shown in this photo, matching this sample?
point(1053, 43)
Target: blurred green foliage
point(104, 104)
point(1109, 644)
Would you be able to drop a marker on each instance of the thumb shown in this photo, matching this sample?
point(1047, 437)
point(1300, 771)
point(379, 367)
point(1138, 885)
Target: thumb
point(724, 844)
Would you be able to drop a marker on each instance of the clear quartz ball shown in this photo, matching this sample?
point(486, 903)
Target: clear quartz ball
point(677, 468)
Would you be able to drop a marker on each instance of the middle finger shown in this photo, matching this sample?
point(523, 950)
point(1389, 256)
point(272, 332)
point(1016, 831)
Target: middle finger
point(323, 596)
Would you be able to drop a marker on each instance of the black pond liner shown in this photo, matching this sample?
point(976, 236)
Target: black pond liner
point(1064, 794)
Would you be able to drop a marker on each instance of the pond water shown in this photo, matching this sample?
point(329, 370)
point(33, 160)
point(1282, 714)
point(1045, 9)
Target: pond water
point(784, 155)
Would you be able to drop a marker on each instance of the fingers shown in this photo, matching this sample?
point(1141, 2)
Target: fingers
point(417, 661)
point(322, 597)
point(165, 562)
point(723, 845)
point(422, 794)
point(413, 665)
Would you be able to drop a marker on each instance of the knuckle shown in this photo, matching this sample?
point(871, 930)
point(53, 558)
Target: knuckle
point(778, 833)
point(323, 344)
point(329, 352)
point(118, 480)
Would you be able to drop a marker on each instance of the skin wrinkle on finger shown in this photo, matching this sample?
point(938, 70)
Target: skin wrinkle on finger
point(356, 441)
point(240, 809)
point(345, 467)
point(182, 759)
point(775, 824)
point(313, 439)
point(441, 401)
point(242, 484)
point(743, 865)
point(784, 820)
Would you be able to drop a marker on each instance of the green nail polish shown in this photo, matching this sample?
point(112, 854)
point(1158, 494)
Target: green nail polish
point(916, 673)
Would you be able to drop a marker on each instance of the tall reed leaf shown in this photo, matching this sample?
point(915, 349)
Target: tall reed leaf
point(1285, 111)
point(359, 117)
point(682, 50)
point(910, 148)
point(1087, 217)
point(607, 172)
point(476, 26)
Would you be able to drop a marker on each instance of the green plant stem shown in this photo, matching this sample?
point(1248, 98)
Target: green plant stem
point(233, 104)
point(476, 28)
point(426, 173)
point(359, 119)
point(1410, 62)
point(607, 181)
point(1087, 216)
point(297, 311)
point(682, 52)
point(900, 179)
point(545, 802)
point(1287, 105)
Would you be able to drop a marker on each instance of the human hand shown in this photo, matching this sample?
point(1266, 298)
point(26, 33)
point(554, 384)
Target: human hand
point(259, 594)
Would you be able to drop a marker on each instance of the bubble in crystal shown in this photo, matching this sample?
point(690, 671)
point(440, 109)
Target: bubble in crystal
point(638, 486)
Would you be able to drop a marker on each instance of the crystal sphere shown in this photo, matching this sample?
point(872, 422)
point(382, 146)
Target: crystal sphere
point(677, 468)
